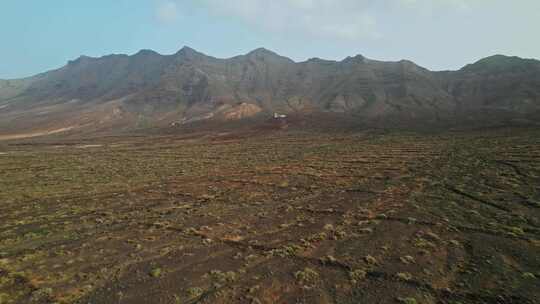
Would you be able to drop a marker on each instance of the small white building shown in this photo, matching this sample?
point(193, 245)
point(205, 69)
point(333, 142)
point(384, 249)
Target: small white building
point(278, 116)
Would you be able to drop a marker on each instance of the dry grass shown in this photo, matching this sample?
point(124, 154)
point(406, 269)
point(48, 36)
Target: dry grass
point(450, 217)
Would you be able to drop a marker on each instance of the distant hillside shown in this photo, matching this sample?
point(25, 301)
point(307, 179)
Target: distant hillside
point(120, 92)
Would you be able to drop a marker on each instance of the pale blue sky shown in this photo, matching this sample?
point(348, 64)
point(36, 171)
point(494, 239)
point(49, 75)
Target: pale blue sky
point(38, 35)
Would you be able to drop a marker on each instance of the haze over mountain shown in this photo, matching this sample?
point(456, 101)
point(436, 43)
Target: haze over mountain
point(121, 92)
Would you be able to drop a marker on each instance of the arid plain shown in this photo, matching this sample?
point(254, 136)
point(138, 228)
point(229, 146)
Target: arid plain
point(276, 216)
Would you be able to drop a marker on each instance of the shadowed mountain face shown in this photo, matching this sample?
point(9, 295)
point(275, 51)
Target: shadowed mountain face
point(149, 89)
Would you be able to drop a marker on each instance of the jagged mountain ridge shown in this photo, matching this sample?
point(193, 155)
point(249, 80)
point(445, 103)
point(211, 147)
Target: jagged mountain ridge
point(149, 89)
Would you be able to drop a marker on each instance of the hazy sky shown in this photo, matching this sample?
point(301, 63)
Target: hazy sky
point(38, 35)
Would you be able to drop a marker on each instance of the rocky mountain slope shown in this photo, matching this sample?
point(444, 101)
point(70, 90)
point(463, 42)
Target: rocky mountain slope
point(119, 92)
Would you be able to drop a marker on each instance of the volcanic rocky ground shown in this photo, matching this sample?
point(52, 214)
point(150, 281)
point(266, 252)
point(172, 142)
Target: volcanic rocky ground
point(277, 216)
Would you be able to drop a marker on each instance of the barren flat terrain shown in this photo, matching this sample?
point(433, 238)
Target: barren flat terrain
point(278, 217)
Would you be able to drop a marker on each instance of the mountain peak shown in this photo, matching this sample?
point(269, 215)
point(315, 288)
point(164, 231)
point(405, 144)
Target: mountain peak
point(188, 53)
point(498, 59)
point(498, 63)
point(355, 59)
point(263, 54)
point(187, 50)
point(146, 52)
point(261, 50)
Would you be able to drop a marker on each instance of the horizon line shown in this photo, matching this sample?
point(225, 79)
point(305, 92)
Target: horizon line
point(186, 47)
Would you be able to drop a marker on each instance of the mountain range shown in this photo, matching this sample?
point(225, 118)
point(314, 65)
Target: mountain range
point(147, 89)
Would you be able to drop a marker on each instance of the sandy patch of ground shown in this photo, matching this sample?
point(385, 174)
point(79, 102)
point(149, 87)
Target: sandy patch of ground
point(35, 134)
point(89, 146)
